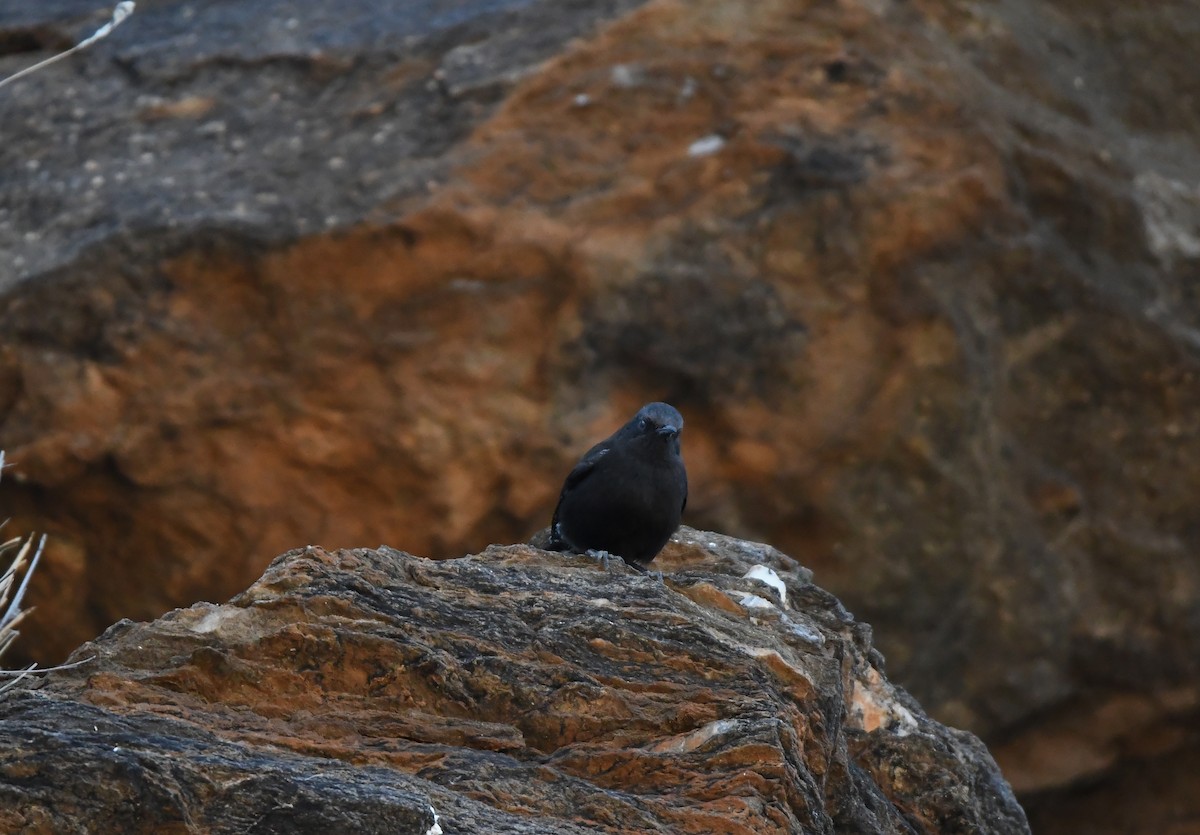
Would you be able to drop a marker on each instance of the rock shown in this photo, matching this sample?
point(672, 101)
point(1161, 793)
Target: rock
point(515, 690)
point(920, 276)
point(1165, 782)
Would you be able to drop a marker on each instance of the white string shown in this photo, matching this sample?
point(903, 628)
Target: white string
point(123, 10)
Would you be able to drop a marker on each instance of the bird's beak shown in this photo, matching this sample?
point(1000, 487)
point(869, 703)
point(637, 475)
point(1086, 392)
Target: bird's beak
point(667, 430)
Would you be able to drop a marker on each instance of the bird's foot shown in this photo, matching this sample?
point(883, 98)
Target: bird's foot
point(603, 556)
point(641, 569)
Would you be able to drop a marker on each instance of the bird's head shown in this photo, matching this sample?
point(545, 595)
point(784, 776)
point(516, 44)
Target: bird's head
point(660, 421)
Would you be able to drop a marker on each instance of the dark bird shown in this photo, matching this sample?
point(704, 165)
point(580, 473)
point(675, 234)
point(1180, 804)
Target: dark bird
point(627, 493)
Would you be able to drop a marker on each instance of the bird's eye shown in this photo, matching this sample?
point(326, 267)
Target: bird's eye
point(644, 424)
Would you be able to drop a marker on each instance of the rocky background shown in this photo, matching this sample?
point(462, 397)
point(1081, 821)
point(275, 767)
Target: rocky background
point(920, 275)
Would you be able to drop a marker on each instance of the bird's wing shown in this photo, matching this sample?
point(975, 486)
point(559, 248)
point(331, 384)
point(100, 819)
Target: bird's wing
point(580, 471)
point(683, 507)
point(586, 464)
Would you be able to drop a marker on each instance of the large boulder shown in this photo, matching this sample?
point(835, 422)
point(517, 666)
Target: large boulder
point(515, 690)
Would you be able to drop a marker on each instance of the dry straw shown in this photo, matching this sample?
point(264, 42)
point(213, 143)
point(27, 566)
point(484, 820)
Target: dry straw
point(120, 12)
point(11, 612)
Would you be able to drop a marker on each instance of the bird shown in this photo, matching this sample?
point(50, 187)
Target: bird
point(626, 495)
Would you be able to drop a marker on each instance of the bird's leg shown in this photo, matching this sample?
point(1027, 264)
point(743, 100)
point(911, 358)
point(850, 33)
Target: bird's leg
point(603, 556)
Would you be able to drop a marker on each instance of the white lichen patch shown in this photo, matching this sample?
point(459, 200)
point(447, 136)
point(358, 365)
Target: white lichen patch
point(682, 743)
point(753, 601)
point(1170, 214)
point(766, 574)
point(232, 624)
point(706, 145)
point(436, 829)
point(804, 632)
point(627, 76)
point(217, 618)
point(873, 705)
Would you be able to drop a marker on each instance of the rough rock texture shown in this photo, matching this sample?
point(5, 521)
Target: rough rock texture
point(511, 691)
point(921, 276)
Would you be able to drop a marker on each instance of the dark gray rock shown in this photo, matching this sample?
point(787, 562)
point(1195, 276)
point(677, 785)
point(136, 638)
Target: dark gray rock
point(275, 119)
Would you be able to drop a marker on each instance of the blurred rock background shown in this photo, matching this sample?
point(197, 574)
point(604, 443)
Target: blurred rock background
point(920, 274)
